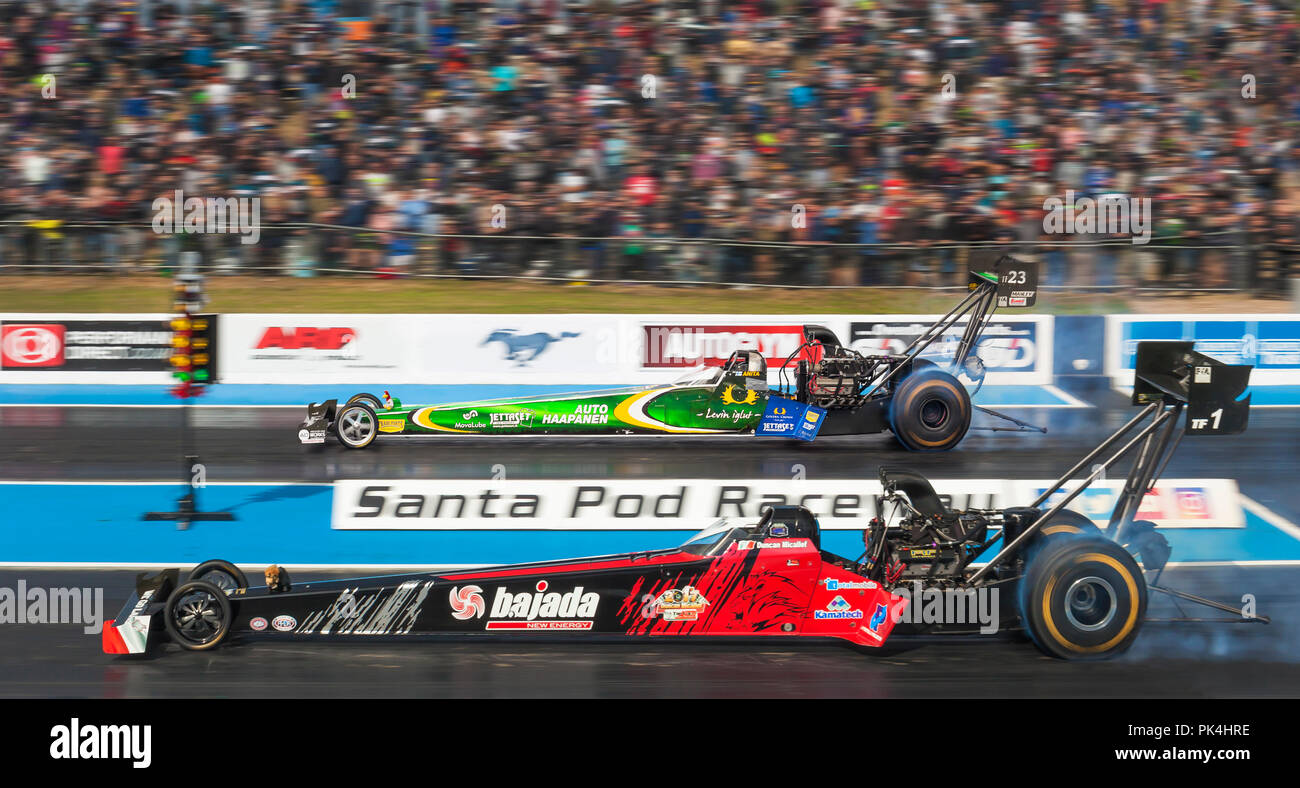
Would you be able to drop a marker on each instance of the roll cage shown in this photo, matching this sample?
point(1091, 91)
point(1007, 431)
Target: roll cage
point(828, 371)
point(776, 522)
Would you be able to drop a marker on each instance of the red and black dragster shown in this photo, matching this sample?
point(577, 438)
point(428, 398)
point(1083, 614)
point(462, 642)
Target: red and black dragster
point(1078, 591)
point(768, 578)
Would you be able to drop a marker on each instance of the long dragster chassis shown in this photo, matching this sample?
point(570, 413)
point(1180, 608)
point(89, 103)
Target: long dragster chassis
point(1076, 589)
point(835, 391)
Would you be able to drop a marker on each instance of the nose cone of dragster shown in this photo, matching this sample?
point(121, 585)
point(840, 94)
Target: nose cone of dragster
point(113, 642)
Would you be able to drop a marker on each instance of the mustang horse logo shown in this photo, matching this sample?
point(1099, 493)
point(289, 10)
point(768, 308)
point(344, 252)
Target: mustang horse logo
point(522, 348)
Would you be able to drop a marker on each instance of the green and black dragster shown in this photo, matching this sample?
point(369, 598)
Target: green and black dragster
point(835, 390)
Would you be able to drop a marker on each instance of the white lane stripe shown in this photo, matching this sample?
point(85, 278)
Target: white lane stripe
point(1282, 562)
point(1271, 517)
point(1018, 406)
point(1071, 401)
point(1128, 392)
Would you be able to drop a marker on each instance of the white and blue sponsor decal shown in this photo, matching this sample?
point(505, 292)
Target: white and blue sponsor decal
point(791, 419)
point(854, 585)
point(838, 608)
point(1014, 351)
point(878, 617)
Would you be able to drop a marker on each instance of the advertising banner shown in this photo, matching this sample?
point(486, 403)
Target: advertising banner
point(790, 418)
point(1174, 503)
point(317, 349)
point(636, 504)
point(691, 504)
point(1013, 350)
point(1270, 342)
point(539, 349)
point(689, 344)
point(596, 349)
point(491, 349)
point(85, 348)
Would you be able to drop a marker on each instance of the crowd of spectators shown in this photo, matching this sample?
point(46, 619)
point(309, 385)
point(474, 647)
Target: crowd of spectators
point(924, 125)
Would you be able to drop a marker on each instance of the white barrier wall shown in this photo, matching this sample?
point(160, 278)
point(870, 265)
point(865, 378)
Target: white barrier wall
point(1270, 342)
point(469, 504)
point(291, 524)
point(575, 348)
point(85, 348)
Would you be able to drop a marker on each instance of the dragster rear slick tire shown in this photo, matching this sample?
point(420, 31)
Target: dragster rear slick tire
point(198, 616)
point(1083, 599)
point(1065, 524)
point(930, 411)
point(1068, 521)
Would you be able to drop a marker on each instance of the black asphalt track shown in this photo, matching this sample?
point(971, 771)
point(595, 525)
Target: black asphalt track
point(1168, 660)
point(238, 444)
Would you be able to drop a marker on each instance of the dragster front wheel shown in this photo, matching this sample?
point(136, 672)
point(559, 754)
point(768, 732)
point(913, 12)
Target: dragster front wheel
point(222, 574)
point(197, 616)
point(1083, 598)
point(930, 411)
point(356, 425)
point(374, 402)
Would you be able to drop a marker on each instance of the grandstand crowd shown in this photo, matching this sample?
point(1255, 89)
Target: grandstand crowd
point(923, 126)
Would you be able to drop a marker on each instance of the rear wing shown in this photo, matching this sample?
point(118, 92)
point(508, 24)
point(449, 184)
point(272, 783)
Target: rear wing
point(1170, 378)
point(1004, 282)
point(1015, 282)
point(1217, 395)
